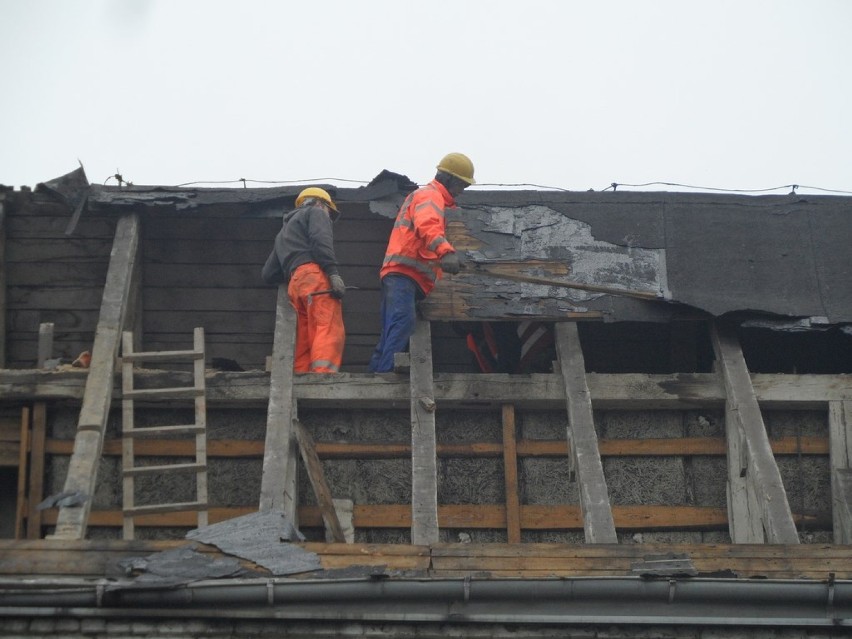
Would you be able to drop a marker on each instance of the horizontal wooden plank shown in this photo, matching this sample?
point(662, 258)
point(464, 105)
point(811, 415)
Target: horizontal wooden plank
point(544, 391)
point(94, 557)
point(455, 516)
point(684, 446)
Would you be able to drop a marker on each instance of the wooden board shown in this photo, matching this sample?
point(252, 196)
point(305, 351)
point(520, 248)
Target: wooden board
point(424, 465)
point(537, 391)
point(762, 501)
point(95, 558)
point(82, 470)
point(278, 485)
point(583, 440)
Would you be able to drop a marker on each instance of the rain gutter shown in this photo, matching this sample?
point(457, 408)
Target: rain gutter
point(619, 600)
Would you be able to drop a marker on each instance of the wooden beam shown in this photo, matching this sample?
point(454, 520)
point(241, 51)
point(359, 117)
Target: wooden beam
point(36, 487)
point(21, 508)
point(670, 447)
point(510, 472)
point(45, 343)
point(840, 437)
point(424, 463)
point(762, 501)
point(598, 524)
point(626, 391)
point(317, 478)
point(278, 485)
point(83, 468)
point(478, 516)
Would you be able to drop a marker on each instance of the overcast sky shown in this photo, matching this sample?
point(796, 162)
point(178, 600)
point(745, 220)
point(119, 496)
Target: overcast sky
point(741, 94)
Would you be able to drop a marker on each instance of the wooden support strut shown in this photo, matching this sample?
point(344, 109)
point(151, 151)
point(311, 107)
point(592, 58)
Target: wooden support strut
point(83, 467)
point(840, 437)
point(424, 462)
point(598, 523)
point(758, 506)
point(278, 484)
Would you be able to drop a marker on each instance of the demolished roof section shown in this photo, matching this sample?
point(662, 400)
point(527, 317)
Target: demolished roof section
point(612, 256)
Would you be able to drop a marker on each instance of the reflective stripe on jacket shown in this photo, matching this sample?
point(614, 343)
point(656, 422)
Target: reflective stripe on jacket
point(417, 241)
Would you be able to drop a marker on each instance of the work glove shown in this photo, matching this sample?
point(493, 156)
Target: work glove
point(338, 288)
point(450, 263)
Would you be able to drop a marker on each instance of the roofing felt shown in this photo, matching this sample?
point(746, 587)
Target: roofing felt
point(779, 256)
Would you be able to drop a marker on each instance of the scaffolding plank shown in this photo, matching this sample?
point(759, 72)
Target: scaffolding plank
point(83, 467)
point(424, 461)
point(750, 452)
point(598, 523)
point(278, 485)
point(840, 447)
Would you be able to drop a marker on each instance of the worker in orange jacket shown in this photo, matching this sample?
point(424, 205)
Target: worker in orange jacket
point(417, 254)
point(304, 257)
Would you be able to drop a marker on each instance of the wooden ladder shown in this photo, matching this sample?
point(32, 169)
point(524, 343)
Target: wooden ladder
point(130, 432)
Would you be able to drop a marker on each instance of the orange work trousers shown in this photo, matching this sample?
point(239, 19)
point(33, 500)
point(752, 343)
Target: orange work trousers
point(320, 335)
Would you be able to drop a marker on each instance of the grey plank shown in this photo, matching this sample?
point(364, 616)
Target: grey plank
point(598, 523)
point(840, 441)
point(82, 471)
point(766, 496)
point(277, 490)
point(424, 466)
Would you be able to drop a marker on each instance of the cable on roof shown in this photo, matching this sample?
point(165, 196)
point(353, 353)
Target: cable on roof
point(792, 187)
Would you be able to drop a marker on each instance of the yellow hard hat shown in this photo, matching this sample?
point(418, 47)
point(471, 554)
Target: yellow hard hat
point(457, 165)
point(318, 193)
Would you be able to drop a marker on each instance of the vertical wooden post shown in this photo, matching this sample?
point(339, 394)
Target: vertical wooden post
point(424, 460)
point(278, 484)
point(840, 438)
point(750, 453)
point(598, 524)
point(97, 396)
point(36, 492)
point(510, 470)
point(21, 507)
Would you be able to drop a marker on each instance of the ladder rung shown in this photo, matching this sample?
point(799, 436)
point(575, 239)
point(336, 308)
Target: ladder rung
point(163, 356)
point(164, 393)
point(153, 431)
point(165, 508)
point(167, 468)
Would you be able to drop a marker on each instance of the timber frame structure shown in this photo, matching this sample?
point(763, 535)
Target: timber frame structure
point(581, 262)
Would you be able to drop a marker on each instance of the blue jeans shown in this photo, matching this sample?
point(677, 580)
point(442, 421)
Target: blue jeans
point(399, 314)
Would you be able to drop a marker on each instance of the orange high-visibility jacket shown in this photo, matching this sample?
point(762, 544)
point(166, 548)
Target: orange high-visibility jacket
point(417, 240)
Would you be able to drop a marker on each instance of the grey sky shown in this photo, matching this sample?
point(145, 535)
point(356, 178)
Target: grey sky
point(742, 94)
